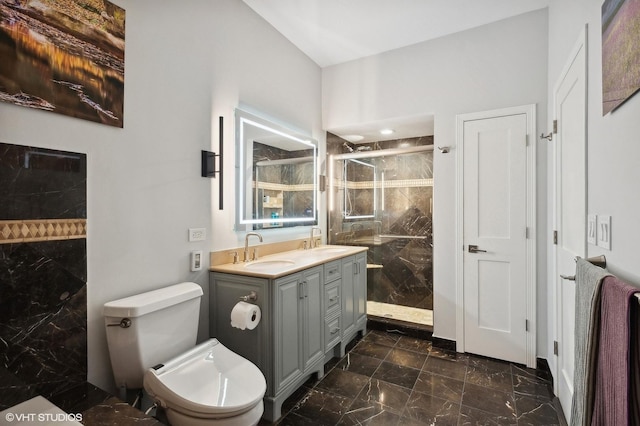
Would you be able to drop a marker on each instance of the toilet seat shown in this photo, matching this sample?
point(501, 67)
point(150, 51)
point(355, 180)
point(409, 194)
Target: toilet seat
point(207, 382)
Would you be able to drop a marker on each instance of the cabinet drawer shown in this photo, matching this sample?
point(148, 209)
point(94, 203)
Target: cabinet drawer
point(331, 332)
point(332, 297)
point(332, 271)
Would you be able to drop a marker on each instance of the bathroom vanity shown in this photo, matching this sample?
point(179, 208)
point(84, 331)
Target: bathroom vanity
point(313, 303)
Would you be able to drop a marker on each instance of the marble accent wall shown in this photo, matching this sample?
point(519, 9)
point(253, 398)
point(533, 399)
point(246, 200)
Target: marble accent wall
point(43, 272)
point(399, 237)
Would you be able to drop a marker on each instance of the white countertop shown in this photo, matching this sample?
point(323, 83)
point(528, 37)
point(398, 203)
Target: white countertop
point(285, 263)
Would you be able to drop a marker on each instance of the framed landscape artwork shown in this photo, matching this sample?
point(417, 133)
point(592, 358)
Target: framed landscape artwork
point(64, 56)
point(620, 52)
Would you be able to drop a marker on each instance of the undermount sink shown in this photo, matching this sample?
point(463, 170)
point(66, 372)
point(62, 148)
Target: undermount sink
point(269, 264)
point(331, 249)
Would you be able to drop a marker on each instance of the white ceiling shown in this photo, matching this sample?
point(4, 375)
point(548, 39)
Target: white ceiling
point(334, 31)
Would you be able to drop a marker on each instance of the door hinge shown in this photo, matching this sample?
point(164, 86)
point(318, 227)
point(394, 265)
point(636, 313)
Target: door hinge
point(555, 237)
point(526, 233)
point(555, 347)
point(526, 325)
point(555, 126)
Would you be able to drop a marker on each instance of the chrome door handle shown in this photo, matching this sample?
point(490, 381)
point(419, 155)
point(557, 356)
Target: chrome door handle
point(568, 277)
point(475, 249)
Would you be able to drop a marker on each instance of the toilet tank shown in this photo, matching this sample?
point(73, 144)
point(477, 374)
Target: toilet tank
point(156, 326)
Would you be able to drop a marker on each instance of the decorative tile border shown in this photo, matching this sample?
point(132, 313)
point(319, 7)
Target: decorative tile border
point(392, 183)
point(22, 231)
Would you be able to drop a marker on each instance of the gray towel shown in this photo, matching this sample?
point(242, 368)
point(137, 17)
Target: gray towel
point(588, 281)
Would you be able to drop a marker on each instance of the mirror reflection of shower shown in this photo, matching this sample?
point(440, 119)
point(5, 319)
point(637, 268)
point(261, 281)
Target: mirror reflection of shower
point(381, 196)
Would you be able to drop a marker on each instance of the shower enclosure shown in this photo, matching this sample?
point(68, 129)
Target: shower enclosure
point(383, 199)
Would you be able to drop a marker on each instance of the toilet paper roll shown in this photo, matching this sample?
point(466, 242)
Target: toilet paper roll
point(245, 315)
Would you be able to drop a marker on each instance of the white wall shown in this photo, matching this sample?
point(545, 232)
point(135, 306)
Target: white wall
point(495, 66)
point(613, 166)
point(186, 64)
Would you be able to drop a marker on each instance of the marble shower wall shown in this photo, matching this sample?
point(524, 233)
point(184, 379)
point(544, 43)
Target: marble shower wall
point(399, 237)
point(43, 272)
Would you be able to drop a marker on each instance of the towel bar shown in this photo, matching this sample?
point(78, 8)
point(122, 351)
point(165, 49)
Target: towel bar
point(600, 261)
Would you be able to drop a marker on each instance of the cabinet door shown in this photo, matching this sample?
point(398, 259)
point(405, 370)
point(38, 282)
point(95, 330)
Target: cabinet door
point(348, 312)
point(313, 316)
point(360, 287)
point(288, 329)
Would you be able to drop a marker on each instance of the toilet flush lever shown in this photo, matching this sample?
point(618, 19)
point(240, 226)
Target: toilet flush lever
point(124, 323)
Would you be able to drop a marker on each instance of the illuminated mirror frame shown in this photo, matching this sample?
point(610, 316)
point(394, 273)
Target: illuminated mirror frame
point(244, 170)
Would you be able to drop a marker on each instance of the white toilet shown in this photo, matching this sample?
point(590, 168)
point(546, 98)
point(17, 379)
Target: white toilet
point(151, 338)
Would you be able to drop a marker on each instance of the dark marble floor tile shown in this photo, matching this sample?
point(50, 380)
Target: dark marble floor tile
point(331, 364)
point(382, 396)
point(532, 386)
point(294, 398)
point(500, 380)
point(406, 358)
point(533, 410)
point(431, 410)
point(489, 400)
point(293, 420)
point(472, 416)
point(113, 411)
point(440, 386)
point(405, 421)
point(538, 373)
point(360, 364)
point(382, 338)
point(414, 344)
point(325, 408)
point(446, 367)
point(372, 349)
point(397, 374)
point(370, 416)
point(448, 355)
point(489, 364)
point(343, 383)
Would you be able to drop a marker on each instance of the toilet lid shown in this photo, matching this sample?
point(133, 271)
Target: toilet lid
point(209, 379)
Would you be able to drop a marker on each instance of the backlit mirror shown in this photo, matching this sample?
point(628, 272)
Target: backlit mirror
point(276, 175)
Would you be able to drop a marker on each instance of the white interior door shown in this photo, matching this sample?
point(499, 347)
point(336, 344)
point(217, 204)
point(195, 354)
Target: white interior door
point(495, 223)
point(570, 209)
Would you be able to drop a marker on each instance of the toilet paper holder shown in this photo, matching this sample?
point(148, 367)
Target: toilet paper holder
point(253, 296)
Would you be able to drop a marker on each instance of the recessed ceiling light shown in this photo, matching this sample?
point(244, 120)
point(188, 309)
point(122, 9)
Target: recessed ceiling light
point(386, 131)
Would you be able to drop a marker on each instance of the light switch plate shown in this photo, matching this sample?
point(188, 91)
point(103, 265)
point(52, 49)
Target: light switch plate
point(604, 232)
point(591, 229)
point(197, 234)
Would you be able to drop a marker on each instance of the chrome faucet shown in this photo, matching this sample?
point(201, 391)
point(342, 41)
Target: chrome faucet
point(246, 246)
point(313, 228)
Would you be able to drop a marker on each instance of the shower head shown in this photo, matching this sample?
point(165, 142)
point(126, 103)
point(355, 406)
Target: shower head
point(348, 146)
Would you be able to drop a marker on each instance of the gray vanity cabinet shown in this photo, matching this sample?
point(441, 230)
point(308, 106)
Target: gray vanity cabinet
point(298, 338)
point(301, 325)
point(354, 298)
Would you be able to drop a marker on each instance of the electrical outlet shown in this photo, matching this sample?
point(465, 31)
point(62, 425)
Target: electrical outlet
point(197, 234)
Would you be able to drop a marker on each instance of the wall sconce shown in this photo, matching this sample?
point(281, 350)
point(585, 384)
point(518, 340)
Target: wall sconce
point(208, 159)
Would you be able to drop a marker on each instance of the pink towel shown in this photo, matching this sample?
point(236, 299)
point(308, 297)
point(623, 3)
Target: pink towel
point(612, 382)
